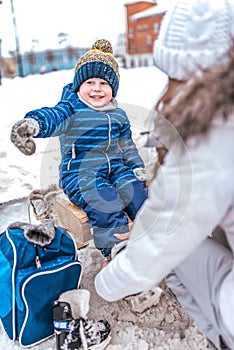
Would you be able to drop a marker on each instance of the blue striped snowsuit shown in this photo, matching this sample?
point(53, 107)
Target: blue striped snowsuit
point(97, 161)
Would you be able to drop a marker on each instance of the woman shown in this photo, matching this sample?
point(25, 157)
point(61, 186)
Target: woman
point(193, 191)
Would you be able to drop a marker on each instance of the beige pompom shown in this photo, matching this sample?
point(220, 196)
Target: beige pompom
point(103, 45)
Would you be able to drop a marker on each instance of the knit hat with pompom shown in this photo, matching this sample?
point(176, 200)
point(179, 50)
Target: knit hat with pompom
point(195, 36)
point(98, 62)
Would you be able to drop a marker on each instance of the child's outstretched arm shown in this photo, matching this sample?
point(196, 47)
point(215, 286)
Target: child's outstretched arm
point(44, 122)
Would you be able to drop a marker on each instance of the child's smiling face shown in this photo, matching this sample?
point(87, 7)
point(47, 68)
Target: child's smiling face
point(96, 92)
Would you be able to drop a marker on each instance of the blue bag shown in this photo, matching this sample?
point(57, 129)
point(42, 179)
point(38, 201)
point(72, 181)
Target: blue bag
point(34, 270)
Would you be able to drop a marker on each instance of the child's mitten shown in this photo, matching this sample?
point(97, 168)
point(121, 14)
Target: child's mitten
point(22, 134)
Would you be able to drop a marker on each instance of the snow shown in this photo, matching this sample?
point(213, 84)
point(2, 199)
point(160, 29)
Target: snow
point(162, 327)
point(39, 22)
point(156, 10)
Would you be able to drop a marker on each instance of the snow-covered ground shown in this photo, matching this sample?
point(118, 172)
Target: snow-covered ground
point(164, 326)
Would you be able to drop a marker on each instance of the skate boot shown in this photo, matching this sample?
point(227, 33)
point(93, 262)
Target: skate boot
point(145, 300)
point(78, 333)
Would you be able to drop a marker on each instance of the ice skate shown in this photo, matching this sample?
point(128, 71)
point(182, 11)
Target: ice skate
point(78, 300)
point(78, 333)
point(144, 300)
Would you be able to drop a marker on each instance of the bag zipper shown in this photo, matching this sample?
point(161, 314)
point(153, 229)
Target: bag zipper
point(109, 142)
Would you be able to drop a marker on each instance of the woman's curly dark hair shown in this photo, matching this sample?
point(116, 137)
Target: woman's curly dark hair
point(192, 105)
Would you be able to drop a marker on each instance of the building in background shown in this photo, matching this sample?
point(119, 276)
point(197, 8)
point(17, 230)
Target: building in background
point(133, 49)
point(40, 62)
point(143, 21)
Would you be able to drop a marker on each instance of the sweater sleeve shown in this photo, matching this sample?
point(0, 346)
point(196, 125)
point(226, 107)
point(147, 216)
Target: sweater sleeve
point(54, 121)
point(187, 200)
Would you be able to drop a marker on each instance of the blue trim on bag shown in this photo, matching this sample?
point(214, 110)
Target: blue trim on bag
point(40, 273)
point(13, 285)
point(44, 270)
